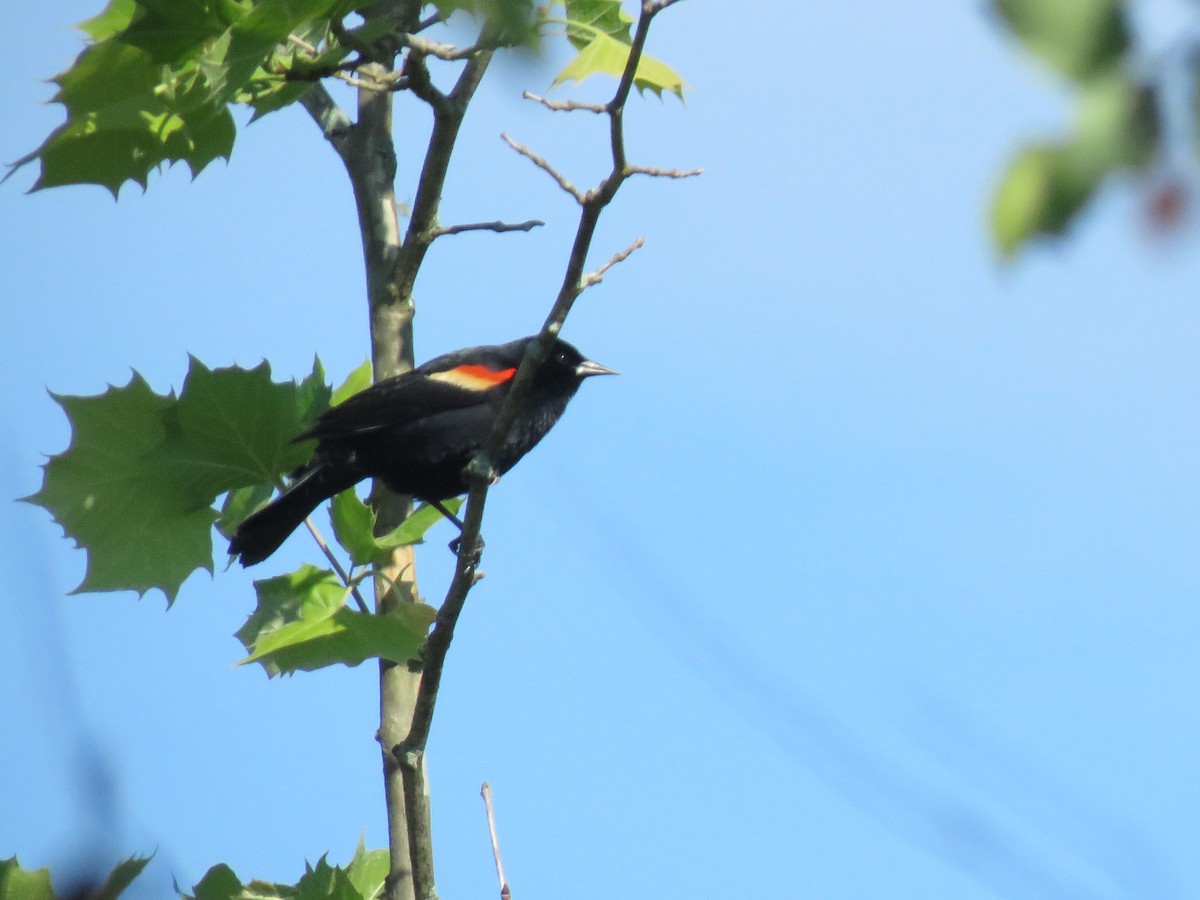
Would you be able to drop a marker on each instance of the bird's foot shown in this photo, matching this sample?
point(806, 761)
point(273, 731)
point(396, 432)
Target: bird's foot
point(457, 549)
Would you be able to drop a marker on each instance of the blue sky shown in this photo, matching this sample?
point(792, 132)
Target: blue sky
point(873, 575)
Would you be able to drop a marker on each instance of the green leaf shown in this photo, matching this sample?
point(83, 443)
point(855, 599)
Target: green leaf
point(1040, 193)
point(135, 488)
point(302, 623)
point(357, 381)
point(24, 884)
point(234, 427)
point(353, 523)
point(606, 55)
point(115, 18)
point(154, 88)
point(170, 31)
point(368, 870)
point(127, 114)
point(120, 878)
point(1047, 185)
point(412, 530)
point(121, 499)
point(326, 882)
point(1079, 38)
point(1118, 123)
point(239, 503)
point(219, 883)
point(268, 24)
point(514, 22)
point(604, 16)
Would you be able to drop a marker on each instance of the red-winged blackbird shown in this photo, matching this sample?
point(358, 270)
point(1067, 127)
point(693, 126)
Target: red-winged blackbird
point(417, 432)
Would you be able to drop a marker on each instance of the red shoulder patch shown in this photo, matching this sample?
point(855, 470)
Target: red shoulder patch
point(474, 378)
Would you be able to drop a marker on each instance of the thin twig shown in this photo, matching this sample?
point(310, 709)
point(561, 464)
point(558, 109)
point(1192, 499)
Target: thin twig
point(429, 21)
point(598, 276)
point(565, 105)
point(447, 52)
point(541, 163)
point(384, 86)
point(337, 566)
point(500, 227)
point(486, 793)
point(663, 173)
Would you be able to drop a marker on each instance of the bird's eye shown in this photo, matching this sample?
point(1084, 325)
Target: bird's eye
point(561, 356)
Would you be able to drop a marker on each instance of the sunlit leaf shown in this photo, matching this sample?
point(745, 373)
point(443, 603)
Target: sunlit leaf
point(24, 884)
point(302, 622)
point(606, 55)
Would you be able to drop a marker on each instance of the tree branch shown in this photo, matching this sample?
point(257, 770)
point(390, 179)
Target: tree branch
point(663, 173)
point(480, 472)
point(499, 227)
point(337, 566)
point(565, 105)
point(330, 118)
point(486, 793)
point(541, 163)
point(598, 276)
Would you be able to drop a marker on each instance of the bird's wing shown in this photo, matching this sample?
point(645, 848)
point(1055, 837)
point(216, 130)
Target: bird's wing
point(408, 398)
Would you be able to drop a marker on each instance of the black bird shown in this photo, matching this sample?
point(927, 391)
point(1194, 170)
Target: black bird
point(417, 432)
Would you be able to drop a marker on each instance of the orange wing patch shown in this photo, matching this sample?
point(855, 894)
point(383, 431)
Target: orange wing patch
point(474, 378)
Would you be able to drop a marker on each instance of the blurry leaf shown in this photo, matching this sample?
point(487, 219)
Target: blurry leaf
point(1039, 194)
point(1077, 37)
point(1047, 185)
point(412, 530)
point(24, 884)
point(1117, 124)
point(302, 623)
point(218, 883)
point(120, 878)
point(357, 381)
point(606, 55)
point(514, 21)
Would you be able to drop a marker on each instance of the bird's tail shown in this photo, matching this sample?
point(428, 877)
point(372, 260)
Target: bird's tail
point(262, 532)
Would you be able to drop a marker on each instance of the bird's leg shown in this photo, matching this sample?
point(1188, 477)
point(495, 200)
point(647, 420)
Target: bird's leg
point(440, 507)
point(455, 545)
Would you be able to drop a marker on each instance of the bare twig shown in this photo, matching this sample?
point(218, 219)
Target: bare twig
point(541, 163)
point(337, 566)
point(447, 52)
point(486, 793)
point(598, 276)
point(429, 21)
point(388, 86)
point(565, 105)
point(663, 173)
point(486, 226)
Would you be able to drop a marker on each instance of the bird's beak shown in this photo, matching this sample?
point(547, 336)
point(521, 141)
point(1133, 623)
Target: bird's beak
point(588, 368)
